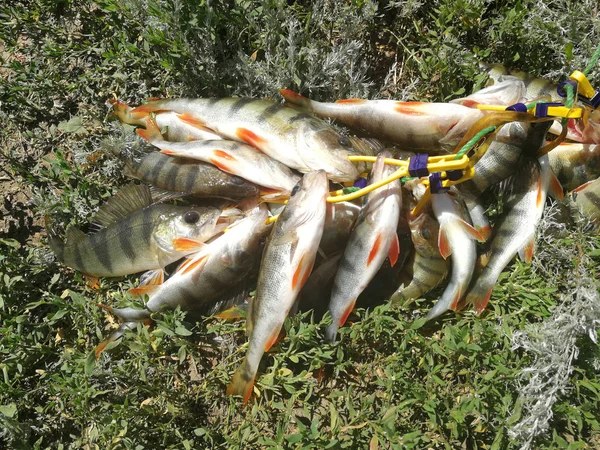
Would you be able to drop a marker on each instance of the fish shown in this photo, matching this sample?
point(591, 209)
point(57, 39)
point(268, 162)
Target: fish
point(507, 93)
point(457, 238)
point(372, 240)
point(431, 127)
point(232, 157)
point(176, 129)
point(298, 140)
point(286, 264)
point(499, 162)
point(339, 221)
point(132, 234)
point(429, 269)
point(210, 274)
point(587, 199)
point(189, 177)
point(316, 292)
point(515, 232)
point(575, 164)
point(535, 87)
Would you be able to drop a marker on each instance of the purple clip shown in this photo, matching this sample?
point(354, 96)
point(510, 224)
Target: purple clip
point(435, 183)
point(360, 183)
point(594, 102)
point(417, 167)
point(561, 87)
point(454, 175)
point(541, 109)
point(517, 107)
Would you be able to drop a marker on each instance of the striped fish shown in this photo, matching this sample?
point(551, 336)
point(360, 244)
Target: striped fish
point(372, 239)
point(587, 199)
point(500, 161)
point(515, 233)
point(232, 157)
point(135, 235)
point(189, 177)
point(286, 265)
point(176, 130)
point(431, 127)
point(298, 140)
point(429, 269)
point(575, 164)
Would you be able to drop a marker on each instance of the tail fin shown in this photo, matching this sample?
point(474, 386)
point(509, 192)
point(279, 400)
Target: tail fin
point(242, 383)
point(296, 99)
point(56, 244)
point(151, 133)
point(479, 296)
point(123, 112)
point(114, 336)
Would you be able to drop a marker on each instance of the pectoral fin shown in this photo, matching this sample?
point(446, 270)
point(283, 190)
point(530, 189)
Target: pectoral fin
point(394, 251)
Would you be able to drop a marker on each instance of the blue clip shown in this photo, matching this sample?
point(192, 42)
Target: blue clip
point(594, 102)
point(541, 109)
point(517, 107)
point(435, 183)
point(417, 167)
point(454, 175)
point(360, 183)
point(561, 87)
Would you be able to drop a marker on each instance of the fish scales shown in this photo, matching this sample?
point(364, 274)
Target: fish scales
point(575, 164)
point(286, 264)
point(190, 177)
point(373, 237)
point(300, 141)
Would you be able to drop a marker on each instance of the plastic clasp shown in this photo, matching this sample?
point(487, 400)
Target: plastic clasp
point(561, 87)
point(435, 183)
point(517, 107)
point(417, 167)
point(541, 109)
point(583, 85)
point(360, 183)
point(454, 175)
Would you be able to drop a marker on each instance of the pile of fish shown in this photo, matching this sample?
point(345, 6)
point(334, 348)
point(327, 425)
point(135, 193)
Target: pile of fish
point(256, 174)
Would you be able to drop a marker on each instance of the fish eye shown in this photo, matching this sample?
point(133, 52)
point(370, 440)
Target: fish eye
point(345, 141)
point(295, 190)
point(237, 180)
point(425, 233)
point(191, 217)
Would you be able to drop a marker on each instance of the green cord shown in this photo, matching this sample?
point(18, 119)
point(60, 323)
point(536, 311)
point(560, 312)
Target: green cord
point(592, 62)
point(473, 141)
point(350, 190)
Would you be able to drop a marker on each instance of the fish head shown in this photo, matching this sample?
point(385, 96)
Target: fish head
point(245, 236)
point(424, 231)
point(195, 223)
point(321, 147)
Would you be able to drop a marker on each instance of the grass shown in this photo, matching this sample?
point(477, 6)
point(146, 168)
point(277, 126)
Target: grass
point(392, 382)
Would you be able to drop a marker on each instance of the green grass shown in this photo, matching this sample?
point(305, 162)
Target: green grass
point(392, 382)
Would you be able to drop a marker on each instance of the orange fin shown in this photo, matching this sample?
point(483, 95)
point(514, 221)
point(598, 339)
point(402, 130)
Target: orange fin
point(302, 273)
point(249, 137)
point(100, 347)
point(409, 108)
point(583, 186)
point(166, 151)
point(556, 189)
point(192, 264)
point(224, 154)
point(344, 316)
point(293, 97)
point(105, 307)
point(187, 244)
point(374, 250)
point(472, 232)
point(456, 300)
point(193, 121)
point(394, 250)
point(480, 303)
point(526, 252)
point(485, 232)
point(144, 110)
point(151, 133)
point(540, 195)
point(221, 165)
point(351, 100)
point(233, 313)
point(92, 282)
point(240, 386)
point(276, 337)
point(443, 244)
point(154, 277)
point(143, 290)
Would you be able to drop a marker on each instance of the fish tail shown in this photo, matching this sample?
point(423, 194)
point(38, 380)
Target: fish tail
point(127, 314)
point(151, 133)
point(114, 336)
point(242, 383)
point(299, 101)
point(331, 332)
point(56, 244)
point(123, 112)
point(448, 300)
point(479, 296)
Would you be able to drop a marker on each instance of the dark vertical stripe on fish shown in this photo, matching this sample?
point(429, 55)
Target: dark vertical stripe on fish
point(101, 250)
point(239, 104)
point(212, 102)
point(190, 180)
point(147, 225)
point(269, 112)
point(593, 198)
point(152, 174)
point(124, 229)
point(299, 116)
point(78, 258)
point(170, 177)
point(425, 268)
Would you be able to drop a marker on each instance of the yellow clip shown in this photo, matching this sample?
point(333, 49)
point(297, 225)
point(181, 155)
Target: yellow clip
point(491, 107)
point(583, 85)
point(563, 111)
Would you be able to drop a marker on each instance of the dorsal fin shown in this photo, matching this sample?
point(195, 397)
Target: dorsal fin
point(131, 198)
point(74, 234)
